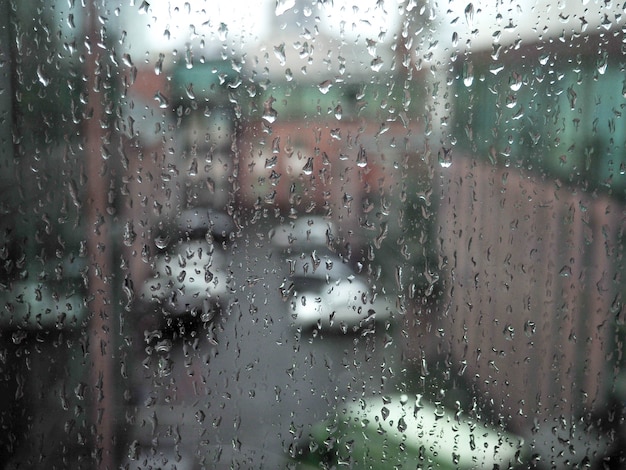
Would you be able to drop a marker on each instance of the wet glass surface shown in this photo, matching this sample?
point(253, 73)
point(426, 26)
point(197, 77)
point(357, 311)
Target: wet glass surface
point(312, 234)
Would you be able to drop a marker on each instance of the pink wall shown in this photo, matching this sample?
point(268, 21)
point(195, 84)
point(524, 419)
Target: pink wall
point(524, 251)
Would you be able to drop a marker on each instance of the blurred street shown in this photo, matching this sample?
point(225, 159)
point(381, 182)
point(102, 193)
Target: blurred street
point(246, 394)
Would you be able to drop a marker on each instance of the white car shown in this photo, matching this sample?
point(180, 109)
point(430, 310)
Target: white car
point(190, 276)
point(39, 305)
point(306, 231)
point(326, 293)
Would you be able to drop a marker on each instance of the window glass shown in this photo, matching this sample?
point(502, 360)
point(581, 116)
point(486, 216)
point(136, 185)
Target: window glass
point(312, 234)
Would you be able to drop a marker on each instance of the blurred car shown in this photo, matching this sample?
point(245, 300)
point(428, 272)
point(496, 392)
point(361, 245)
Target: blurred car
point(327, 293)
point(308, 231)
point(393, 431)
point(54, 298)
point(190, 275)
point(43, 315)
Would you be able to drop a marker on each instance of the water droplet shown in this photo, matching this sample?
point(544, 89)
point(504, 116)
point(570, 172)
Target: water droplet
point(222, 32)
point(519, 114)
point(144, 7)
point(188, 59)
point(133, 450)
point(274, 178)
point(468, 74)
point(271, 162)
point(279, 52)
point(325, 86)
point(529, 328)
point(566, 271)
point(511, 101)
point(276, 145)
point(158, 66)
point(18, 336)
point(189, 92)
point(307, 169)
point(371, 47)
point(515, 81)
point(377, 64)
point(126, 59)
point(469, 14)
point(602, 63)
point(269, 113)
point(164, 367)
point(338, 112)
point(164, 345)
point(509, 332)
point(361, 159)
point(286, 290)
point(162, 241)
point(193, 168)
point(45, 81)
point(572, 96)
point(79, 391)
point(384, 413)
point(284, 5)
point(104, 152)
point(418, 402)
point(402, 426)
point(129, 234)
point(445, 157)
point(162, 100)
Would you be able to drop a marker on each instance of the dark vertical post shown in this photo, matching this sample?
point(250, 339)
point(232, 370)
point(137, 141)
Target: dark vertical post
point(98, 247)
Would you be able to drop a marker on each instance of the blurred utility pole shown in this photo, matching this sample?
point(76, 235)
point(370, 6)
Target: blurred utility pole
point(98, 243)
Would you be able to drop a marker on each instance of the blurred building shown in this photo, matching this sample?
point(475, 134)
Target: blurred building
point(530, 227)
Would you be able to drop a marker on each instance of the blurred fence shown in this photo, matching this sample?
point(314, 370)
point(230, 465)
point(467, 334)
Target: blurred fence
point(533, 299)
